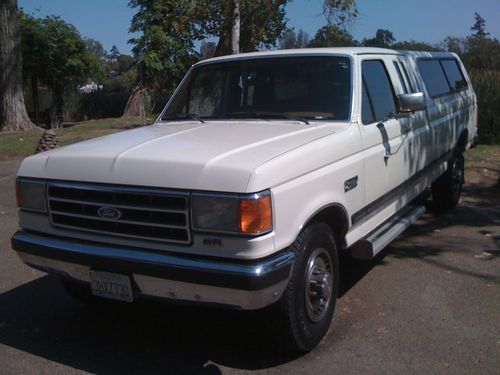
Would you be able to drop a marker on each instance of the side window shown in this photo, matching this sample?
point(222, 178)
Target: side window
point(434, 78)
point(405, 89)
point(454, 74)
point(366, 108)
point(378, 93)
point(410, 85)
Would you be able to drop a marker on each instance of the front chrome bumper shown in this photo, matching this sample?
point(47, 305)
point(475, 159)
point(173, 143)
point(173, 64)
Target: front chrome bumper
point(246, 285)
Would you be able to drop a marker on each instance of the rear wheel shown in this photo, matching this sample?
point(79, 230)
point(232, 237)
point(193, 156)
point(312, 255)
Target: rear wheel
point(309, 300)
point(446, 189)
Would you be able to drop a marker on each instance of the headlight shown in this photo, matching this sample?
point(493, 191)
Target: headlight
point(31, 195)
point(241, 214)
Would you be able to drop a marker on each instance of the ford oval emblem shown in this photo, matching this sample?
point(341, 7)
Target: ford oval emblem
point(109, 213)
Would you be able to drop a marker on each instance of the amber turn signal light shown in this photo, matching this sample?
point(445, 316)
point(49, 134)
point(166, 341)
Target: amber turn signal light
point(256, 215)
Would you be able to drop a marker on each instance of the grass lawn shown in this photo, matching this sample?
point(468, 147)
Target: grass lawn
point(483, 155)
point(18, 144)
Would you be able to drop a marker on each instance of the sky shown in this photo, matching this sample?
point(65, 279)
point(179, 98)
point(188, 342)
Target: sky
point(428, 21)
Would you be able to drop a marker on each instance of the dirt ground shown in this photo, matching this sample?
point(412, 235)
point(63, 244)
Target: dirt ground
point(429, 304)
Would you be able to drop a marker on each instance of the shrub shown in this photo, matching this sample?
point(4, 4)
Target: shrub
point(487, 86)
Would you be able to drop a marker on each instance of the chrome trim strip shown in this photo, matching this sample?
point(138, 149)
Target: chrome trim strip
point(142, 223)
point(251, 270)
point(128, 207)
point(118, 234)
point(170, 289)
point(118, 189)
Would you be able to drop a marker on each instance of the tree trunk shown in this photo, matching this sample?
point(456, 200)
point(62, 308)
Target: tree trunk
point(235, 30)
point(36, 99)
point(135, 104)
point(13, 115)
point(58, 106)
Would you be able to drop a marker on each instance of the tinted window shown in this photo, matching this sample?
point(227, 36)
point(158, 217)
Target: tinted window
point(454, 74)
point(401, 79)
point(407, 77)
point(366, 108)
point(310, 87)
point(379, 91)
point(434, 77)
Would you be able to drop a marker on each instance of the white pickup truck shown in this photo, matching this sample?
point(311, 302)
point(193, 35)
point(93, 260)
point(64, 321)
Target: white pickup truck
point(260, 170)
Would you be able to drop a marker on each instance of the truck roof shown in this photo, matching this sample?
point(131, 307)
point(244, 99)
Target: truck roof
point(350, 51)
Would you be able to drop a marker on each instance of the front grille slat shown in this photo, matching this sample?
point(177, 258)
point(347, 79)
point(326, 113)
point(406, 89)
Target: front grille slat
point(154, 214)
point(132, 207)
point(60, 213)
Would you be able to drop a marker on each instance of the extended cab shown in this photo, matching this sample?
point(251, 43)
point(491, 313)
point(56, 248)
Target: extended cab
point(259, 171)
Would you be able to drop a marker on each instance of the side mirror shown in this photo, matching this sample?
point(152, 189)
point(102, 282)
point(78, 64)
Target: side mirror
point(411, 102)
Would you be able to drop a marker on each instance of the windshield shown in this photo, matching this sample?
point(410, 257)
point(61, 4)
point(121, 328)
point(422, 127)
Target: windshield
point(311, 87)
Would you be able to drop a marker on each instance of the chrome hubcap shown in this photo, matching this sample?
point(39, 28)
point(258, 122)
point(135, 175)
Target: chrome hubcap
point(319, 284)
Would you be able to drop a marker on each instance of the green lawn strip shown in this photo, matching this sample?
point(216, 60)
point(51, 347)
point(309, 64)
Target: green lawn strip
point(483, 155)
point(18, 144)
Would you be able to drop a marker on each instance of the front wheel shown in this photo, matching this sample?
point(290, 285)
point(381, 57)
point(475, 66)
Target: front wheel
point(446, 189)
point(309, 301)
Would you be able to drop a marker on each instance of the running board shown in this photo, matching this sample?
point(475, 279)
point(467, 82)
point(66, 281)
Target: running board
point(380, 237)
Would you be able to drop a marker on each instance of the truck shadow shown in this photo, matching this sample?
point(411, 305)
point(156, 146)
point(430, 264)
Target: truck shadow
point(147, 337)
point(478, 210)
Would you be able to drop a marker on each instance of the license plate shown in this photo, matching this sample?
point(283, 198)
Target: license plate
point(111, 285)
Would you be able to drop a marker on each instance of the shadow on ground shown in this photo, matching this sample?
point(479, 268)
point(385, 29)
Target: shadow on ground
point(147, 337)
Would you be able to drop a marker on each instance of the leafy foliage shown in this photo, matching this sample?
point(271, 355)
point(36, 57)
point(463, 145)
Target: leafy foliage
point(383, 39)
point(332, 36)
point(413, 45)
point(340, 12)
point(290, 39)
point(481, 55)
point(56, 55)
point(487, 87)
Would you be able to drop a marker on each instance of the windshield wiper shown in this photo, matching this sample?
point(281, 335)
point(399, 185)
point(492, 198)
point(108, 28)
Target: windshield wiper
point(269, 114)
point(184, 116)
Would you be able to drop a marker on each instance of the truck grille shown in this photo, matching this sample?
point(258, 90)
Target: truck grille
point(153, 214)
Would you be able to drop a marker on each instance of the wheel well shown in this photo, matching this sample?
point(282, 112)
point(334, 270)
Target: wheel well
point(335, 217)
point(462, 141)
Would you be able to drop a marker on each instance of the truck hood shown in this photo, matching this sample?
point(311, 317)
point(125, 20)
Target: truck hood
point(217, 156)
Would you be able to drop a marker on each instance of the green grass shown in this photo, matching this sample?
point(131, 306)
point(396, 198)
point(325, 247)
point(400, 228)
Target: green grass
point(20, 144)
point(483, 155)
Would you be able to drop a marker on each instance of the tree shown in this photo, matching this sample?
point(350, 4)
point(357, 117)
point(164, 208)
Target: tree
point(340, 13)
point(261, 23)
point(332, 36)
point(33, 49)
point(114, 53)
point(383, 39)
point(13, 115)
point(479, 26)
point(413, 45)
point(290, 39)
point(207, 50)
point(168, 29)
point(66, 61)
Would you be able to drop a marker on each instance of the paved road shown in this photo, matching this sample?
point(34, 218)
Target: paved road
point(429, 304)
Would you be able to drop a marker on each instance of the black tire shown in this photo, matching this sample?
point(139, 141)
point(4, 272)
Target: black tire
point(308, 302)
point(446, 189)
